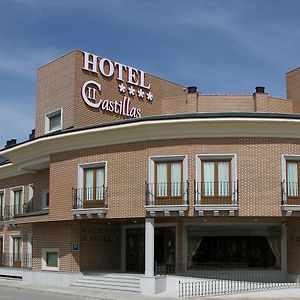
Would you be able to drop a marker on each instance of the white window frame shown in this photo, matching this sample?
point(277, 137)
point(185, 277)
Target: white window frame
point(44, 199)
point(284, 159)
point(168, 158)
point(2, 191)
point(11, 247)
point(49, 115)
point(207, 157)
point(12, 191)
point(84, 166)
point(44, 259)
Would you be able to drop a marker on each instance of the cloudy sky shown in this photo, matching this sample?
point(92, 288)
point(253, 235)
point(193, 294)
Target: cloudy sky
point(221, 46)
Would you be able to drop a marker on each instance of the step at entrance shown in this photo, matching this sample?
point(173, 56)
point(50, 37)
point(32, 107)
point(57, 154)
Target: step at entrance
point(110, 281)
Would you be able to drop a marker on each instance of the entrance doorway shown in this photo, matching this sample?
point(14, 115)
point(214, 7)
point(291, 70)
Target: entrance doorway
point(1, 251)
point(17, 252)
point(164, 250)
point(135, 250)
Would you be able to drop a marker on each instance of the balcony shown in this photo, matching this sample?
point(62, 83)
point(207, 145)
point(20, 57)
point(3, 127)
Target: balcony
point(290, 197)
point(216, 197)
point(167, 197)
point(10, 212)
point(90, 203)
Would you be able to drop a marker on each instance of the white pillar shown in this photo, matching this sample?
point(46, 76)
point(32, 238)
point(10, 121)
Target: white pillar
point(149, 247)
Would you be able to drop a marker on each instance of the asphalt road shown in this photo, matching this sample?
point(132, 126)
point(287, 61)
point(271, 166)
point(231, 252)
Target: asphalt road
point(26, 294)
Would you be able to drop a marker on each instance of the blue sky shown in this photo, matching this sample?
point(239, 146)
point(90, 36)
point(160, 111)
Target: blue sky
point(221, 46)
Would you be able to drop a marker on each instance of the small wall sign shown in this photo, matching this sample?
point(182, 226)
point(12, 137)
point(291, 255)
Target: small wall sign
point(75, 247)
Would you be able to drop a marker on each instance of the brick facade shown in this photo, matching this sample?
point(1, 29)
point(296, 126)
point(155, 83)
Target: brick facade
point(259, 168)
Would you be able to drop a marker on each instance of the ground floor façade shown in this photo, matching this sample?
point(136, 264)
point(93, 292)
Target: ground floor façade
point(152, 246)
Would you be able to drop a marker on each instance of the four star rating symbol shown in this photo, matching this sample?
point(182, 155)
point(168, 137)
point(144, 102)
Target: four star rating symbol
point(122, 88)
point(131, 92)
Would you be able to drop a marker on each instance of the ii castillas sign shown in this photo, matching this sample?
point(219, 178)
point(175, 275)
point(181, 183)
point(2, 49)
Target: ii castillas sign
point(129, 80)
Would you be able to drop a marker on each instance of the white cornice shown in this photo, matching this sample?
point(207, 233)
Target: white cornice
point(153, 130)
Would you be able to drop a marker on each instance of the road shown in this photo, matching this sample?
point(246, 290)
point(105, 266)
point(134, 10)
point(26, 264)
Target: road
point(26, 294)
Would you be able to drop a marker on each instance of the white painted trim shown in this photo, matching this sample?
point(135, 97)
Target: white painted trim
point(14, 189)
point(44, 258)
point(44, 199)
point(217, 156)
point(3, 204)
point(47, 120)
point(154, 130)
point(167, 158)
point(29, 249)
point(97, 164)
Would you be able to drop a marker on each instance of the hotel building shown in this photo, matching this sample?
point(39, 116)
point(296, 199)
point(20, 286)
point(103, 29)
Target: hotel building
point(129, 173)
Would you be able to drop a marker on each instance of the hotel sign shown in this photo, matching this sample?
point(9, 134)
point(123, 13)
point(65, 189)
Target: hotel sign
point(130, 82)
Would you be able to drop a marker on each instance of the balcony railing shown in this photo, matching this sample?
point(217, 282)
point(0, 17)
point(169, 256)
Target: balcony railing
point(9, 212)
point(216, 193)
point(85, 198)
point(290, 193)
point(168, 193)
point(16, 260)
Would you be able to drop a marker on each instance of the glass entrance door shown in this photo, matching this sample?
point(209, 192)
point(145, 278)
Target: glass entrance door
point(17, 252)
point(1, 251)
point(135, 250)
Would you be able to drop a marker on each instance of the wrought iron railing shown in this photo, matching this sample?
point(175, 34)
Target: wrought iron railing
point(167, 193)
point(16, 260)
point(221, 192)
point(90, 197)
point(290, 193)
point(9, 212)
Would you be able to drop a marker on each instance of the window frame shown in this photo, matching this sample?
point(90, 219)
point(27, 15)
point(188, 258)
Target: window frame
point(232, 158)
point(2, 203)
point(285, 159)
point(48, 116)
point(12, 199)
point(45, 197)
point(94, 198)
point(45, 266)
point(81, 180)
point(152, 173)
point(169, 183)
point(216, 179)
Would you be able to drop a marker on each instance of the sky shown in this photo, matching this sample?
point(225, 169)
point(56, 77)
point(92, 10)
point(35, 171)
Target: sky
point(220, 46)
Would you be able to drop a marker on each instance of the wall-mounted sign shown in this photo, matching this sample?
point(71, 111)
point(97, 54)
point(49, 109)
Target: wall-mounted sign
point(75, 247)
point(130, 82)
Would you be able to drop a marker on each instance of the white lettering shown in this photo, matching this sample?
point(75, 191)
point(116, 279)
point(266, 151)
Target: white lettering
point(87, 99)
point(121, 68)
point(142, 83)
point(133, 76)
point(111, 68)
point(90, 65)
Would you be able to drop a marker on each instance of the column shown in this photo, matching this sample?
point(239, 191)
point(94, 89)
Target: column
point(149, 247)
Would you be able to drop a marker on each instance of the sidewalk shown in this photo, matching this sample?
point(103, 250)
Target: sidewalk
point(284, 294)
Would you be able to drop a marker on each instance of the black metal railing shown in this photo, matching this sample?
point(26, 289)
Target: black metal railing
point(9, 212)
point(90, 197)
point(167, 193)
point(222, 287)
point(290, 193)
point(221, 192)
point(16, 260)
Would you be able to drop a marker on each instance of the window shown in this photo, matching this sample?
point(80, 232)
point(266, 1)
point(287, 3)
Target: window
point(168, 179)
point(50, 259)
point(2, 203)
point(17, 250)
point(18, 201)
point(94, 184)
point(53, 121)
point(216, 179)
point(292, 178)
point(45, 199)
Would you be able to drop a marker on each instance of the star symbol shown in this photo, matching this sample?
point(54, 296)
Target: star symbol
point(122, 88)
point(131, 91)
point(141, 93)
point(149, 96)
